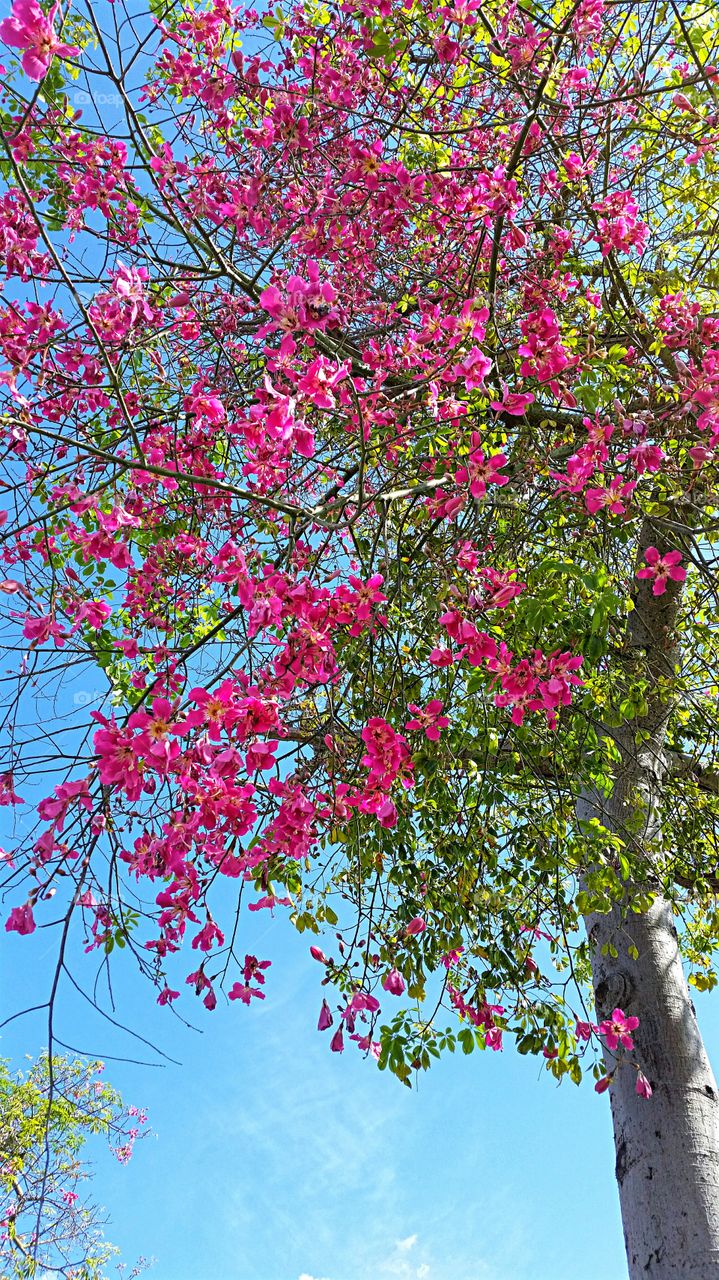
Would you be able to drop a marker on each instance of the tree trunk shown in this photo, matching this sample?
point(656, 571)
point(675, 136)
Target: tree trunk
point(667, 1146)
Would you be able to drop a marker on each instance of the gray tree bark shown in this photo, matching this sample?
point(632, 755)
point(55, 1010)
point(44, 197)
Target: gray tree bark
point(667, 1146)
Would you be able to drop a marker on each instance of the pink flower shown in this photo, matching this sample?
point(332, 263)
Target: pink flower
point(393, 982)
point(441, 657)
point(512, 402)
point(166, 996)
point(382, 806)
point(118, 762)
point(699, 455)
point(54, 808)
point(584, 1030)
point(359, 600)
point(661, 569)
point(428, 719)
point(587, 22)
point(317, 954)
point(155, 724)
point(368, 1045)
point(387, 753)
point(305, 304)
point(207, 937)
point(480, 471)
point(8, 794)
point(418, 925)
point(493, 1039)
point(261, 756)
point(269, 902)
point(473, 369)
point(646, 457)
point(603, 1084)
point(201, 983)
point(39, 629)
point(616, 1030)
point(244, 993)
point(361, 1001)
point(643, 1087)
point(325, 1019)
point(252, 968)
point(30, 29)
point(614, 498)
point(94, 612)
point(20, 920)
point(337, 1043)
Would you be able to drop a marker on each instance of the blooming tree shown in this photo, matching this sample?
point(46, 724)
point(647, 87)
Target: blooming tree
point(360, 407)
point(47, 1114)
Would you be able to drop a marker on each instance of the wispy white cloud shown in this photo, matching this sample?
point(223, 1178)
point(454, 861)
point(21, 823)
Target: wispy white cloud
point(398, 1265)
point(408, 1243)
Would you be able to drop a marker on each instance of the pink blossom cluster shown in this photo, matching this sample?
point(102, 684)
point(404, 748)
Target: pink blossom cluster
point(252, 971)
point(678, 320)
point(540, 683)
point(19, 236)
point(303, 304)
point(619, 226)
point(544, 356)
point(335, 352)
point(587, 21)
point(480, 1015)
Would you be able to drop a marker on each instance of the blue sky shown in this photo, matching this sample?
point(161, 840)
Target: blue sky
point(272, 1159)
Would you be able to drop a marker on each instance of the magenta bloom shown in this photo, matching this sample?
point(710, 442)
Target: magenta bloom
point(428, 718)
point(325, 1018)
point(512, 402)
point(643, 1087)
point(386, 813)
point(584, 1030)
point(30, 29)
point(239, 991)
point(362, 1000)
point(393, 982)
point(616, 1030)
point(20, 920)
point(441, 657)
point(661, 569)
point(480, 471)
point(418, 925)
point(603, 1084)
